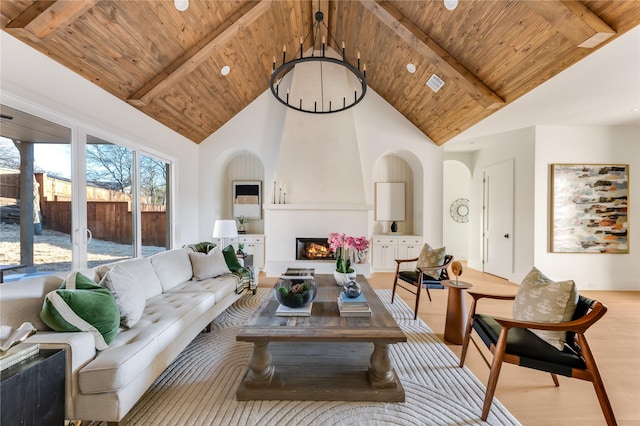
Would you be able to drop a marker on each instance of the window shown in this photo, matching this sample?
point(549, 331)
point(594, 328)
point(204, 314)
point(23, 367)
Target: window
point(121, 209)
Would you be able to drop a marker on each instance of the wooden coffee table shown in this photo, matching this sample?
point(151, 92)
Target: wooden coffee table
point(324, 357)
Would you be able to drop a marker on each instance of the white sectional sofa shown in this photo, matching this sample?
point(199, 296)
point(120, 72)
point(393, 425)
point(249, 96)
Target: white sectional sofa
point(105, 385)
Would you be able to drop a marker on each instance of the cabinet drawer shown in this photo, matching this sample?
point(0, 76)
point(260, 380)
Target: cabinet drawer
point(384, 240)
point(252, 239)
point(410, 240)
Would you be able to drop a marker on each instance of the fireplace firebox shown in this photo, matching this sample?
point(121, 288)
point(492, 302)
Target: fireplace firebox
point(313, 249)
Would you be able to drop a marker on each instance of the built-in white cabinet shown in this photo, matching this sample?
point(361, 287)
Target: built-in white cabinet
point(387, 248)
point(253, 244)
point(383, 253)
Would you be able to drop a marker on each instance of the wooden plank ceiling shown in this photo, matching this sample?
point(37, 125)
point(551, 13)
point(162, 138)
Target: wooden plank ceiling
point(167, 63)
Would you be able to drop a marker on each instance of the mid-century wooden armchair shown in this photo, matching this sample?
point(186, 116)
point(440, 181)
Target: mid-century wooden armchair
point(412, 278)
point(513, 342)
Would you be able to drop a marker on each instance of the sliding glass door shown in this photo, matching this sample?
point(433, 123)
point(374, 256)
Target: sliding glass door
point(110, 199)
point(35, 194)
point(154, 201)
point(112, 204)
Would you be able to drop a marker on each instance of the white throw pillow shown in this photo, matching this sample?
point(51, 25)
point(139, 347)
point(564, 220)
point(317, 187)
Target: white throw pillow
point(128, 293)
point(540, 299)
point(208, 265)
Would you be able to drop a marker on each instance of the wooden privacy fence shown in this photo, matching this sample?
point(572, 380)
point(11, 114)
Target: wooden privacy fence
point(108, 221)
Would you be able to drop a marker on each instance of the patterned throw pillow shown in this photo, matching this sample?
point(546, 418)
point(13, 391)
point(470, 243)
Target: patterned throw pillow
point(431, 257)
point(82, 305)
point(208, 265)
point(540, 299)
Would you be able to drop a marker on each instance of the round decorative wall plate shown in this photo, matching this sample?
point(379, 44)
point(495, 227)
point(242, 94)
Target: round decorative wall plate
point(459, 210)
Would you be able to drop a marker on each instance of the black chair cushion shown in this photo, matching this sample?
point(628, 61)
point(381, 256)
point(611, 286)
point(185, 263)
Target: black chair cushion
point(583, 306)
point(533, 352)
point(411, 277)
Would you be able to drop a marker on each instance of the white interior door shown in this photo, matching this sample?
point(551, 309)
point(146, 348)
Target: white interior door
point(497, 256)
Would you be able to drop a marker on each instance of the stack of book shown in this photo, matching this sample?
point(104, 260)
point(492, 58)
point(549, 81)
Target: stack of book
point(303, 311)
point(18, 353)
point(353, 306)
point(299, 273)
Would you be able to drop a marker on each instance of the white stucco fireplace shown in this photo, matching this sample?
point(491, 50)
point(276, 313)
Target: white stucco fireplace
point(286, 222)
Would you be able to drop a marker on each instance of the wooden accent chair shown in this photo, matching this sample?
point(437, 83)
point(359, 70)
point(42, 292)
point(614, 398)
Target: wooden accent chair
point(410, 279)
point(512, 341)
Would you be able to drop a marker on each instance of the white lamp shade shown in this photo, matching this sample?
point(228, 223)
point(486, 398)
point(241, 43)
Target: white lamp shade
point(225, 229)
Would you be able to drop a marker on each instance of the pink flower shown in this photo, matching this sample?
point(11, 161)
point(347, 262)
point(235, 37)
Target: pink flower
point(346, 247)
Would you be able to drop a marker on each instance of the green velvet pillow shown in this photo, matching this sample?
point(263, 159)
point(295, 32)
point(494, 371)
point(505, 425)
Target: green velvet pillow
point(82, 305)
point(203, 247)
point(231, 258)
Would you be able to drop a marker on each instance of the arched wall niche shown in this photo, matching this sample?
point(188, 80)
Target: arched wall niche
point(405, 167)
point(243, 165)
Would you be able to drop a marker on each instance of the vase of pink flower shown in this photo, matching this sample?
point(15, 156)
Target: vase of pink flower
point(347, 250)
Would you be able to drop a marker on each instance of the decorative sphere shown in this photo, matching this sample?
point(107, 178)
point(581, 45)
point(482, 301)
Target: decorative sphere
point(295, 293)
point(352, 289)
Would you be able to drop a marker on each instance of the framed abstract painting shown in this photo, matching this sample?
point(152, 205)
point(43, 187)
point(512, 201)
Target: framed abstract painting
point(589, 208)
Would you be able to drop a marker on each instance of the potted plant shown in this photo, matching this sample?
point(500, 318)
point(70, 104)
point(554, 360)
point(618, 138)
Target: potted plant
point(242, 221)
point(346, 249)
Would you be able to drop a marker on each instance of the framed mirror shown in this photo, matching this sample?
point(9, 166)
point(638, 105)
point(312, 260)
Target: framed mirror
point(247, 199)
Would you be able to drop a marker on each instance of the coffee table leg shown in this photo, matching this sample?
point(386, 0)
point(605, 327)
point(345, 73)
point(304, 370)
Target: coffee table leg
point(381, 373)
point(260, 368)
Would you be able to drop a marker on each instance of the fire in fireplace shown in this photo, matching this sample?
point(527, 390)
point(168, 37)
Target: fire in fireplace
point(313, 249)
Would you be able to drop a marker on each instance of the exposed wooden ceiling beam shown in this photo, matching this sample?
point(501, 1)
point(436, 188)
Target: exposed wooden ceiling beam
point(43, 18)
point(200, 52)
point(575, 21)
point(452, 69)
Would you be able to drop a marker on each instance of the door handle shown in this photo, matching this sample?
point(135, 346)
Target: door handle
point(506, 235)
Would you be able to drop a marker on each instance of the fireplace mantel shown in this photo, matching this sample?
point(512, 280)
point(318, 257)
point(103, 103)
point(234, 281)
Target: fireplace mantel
point(353, 207)
point(286, 222)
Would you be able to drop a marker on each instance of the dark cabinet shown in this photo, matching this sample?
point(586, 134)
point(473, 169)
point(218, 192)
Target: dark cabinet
point(32, 392)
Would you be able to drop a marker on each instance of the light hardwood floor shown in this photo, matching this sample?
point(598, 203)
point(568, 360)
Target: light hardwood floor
point(530, 395)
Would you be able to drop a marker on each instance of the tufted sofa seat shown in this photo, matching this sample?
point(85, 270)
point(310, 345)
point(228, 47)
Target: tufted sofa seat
point(105, 385)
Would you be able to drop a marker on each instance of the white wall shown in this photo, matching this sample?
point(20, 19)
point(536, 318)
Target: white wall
point(33, 83)
point(517, 145)
point(457, 184)
point(589, 145)
point(256, 129)
point(533, 150)
point(380, 130)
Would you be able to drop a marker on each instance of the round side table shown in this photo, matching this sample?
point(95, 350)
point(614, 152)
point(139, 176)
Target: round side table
point(456, 311)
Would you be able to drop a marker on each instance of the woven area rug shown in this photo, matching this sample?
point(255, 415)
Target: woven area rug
point(199, 387)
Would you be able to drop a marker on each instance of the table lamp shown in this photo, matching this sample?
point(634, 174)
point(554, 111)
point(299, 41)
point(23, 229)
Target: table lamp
point(224, 229)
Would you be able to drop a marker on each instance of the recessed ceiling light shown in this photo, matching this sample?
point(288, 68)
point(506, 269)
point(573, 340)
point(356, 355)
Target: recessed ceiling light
point(450, 4)
point(181, 5)
point(636, 109)
point(411, 68)
point(225, 70)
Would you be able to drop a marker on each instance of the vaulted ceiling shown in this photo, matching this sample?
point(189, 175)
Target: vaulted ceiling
point(167, 63)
